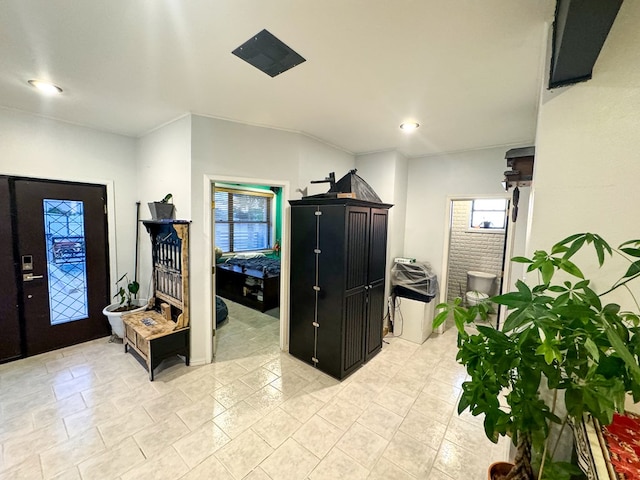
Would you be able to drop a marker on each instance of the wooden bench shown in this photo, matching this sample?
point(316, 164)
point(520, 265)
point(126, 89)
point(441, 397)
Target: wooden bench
point(154, 338)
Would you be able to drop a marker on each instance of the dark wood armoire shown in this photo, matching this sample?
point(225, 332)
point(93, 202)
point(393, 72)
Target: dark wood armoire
point(338, 267)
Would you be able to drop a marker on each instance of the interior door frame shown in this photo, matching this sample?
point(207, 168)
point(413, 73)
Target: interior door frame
point(508, 247)
point(210, 279)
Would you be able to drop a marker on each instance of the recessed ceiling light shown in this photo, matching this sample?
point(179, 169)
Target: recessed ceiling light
point(45, 87)
point(409, 126)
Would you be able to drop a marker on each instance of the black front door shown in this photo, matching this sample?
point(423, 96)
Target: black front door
point(60, 259)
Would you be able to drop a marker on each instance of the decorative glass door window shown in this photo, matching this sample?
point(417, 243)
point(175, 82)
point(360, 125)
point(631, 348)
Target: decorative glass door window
point(66, 262)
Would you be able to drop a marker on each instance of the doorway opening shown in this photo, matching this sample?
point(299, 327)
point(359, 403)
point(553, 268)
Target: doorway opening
point(249, 284)
point(478, 242)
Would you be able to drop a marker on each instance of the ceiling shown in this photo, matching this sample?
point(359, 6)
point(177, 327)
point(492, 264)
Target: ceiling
point(469, 71)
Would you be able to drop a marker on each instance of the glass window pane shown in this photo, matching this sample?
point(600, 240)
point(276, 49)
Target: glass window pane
point(488, 220)
point(66, 263)
point(222, 206)
point(490, 204)
point(249, 236)
point(222, 237)
point(249, 208)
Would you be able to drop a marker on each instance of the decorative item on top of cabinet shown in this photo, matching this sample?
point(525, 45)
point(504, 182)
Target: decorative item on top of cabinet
point(163, 331)
point(338, 269)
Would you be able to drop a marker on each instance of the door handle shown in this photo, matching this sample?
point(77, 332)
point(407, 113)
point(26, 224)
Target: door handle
point(29, 277)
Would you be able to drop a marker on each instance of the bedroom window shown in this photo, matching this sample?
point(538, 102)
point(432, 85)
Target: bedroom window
point(243, 220)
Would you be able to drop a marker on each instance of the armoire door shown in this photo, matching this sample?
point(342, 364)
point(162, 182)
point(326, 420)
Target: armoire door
point(376, 272)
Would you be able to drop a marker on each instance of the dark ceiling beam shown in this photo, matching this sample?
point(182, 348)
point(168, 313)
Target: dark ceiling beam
point(579, 32)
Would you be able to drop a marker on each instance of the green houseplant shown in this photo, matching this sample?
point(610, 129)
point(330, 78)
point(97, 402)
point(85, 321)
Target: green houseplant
point(561, 349)
point(127, 303)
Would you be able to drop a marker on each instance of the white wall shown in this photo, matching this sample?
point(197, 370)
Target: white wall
point(33, 146)
point(163, 166)
point(431, 180)
point(222, 149)
point(588, 142)
point(386, 172)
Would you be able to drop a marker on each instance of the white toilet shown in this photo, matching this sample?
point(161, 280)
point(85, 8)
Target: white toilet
point(479, 286)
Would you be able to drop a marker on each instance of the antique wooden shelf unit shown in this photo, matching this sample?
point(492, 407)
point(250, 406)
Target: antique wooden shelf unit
point(163, 332)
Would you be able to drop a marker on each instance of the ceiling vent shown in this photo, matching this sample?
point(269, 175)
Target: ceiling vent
point(268, 54)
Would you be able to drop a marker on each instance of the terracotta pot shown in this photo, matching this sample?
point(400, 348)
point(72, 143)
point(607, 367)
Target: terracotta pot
point(499, 469)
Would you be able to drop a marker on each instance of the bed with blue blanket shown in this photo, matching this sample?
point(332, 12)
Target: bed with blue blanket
point(252, 280)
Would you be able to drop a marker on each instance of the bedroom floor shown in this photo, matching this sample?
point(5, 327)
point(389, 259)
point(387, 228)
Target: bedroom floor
point(89, 412)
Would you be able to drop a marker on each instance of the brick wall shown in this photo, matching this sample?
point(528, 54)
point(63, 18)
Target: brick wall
point(469, 250)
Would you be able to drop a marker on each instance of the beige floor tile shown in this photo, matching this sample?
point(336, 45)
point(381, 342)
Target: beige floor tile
point(363, 445)
point(340, 413)
point(166, 466)
point(211, 468)
point(105, 392)
point(200, 387)
point(380, 420)
point(410, 455)
point(460, 464)
point(258, 378)
point(290, 461)
point(290, 383)
point(385, 470)
point(16, 426)
point(243, 453)
point(28, 469)
point(166, 404)
point(81, 421)
point(71, 452)
point(122, 426)
point(436, 474)
point(18, 404)
point(257, 474)
point(200, 412)
point(75, 385)
point(302, 406)
point(318, 436)
point(409, 386)
point(48, 414)
point(237, 419)
point(227, 372)
point(154, 438)
point(424, 429)
point(129, 399)
point(112, 463)
point(395, 401)
point(70, 474)
point(201, 443)
point(434, 407)
point(395, 415)
point(324, 389)
point(266, 399)
point(276, 427)
point(232, 393)
point(18, 449)
point(339, 465)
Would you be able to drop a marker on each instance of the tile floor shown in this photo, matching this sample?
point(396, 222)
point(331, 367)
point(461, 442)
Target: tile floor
point(89, 412)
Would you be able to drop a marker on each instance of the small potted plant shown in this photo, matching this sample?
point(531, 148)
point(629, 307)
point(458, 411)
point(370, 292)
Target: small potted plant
point(562, 353)
point(162, 210)
point(127, 304)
